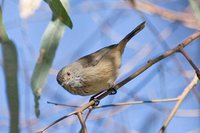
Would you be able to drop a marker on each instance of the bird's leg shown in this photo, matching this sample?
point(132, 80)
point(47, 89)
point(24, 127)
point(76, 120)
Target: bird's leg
point(114, 91)
point(97, 101)
point(94, 97)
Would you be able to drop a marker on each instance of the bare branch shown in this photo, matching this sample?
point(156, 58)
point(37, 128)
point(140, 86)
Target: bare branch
point(186, 18)
point(80, 117)
point(181, 98)
point(60, 104)
point(58, 120)
point(191, 62)
point(89, 112)
point(138, 102)
point(155, 60)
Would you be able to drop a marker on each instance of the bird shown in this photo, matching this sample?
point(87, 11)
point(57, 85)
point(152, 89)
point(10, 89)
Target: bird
point(95, 72)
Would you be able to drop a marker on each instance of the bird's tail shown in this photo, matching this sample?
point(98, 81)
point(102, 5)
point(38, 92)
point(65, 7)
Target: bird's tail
point(124, 41)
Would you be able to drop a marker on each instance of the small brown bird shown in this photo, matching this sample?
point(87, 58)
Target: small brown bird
point(97, 71)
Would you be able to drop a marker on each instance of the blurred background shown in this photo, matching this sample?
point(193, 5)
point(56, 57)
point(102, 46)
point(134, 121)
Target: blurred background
point(97, 24)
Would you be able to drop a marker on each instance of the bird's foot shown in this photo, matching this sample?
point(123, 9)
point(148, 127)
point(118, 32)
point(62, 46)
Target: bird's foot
point(96, 101)
point(114, 91)
point(94, 97)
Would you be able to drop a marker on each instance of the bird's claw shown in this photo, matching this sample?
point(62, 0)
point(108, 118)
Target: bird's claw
point(96, 101)
point(114, 91)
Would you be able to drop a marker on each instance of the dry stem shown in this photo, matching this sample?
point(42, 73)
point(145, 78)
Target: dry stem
point(80, 117)
point(181, 98)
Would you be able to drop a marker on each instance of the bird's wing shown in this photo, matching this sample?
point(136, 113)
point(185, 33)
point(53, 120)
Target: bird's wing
point(94, 58)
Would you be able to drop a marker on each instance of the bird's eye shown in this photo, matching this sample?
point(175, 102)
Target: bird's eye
point(68, 74)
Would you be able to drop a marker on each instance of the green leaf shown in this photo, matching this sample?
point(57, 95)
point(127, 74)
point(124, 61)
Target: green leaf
point(196, 8)
point(60, 12)
point(10, 65)
point(50, 41)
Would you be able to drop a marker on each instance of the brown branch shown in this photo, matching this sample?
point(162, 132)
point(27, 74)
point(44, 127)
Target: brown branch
point(181, 98)
point(83, 126)
point(89, 112)
point(191, 62)
point(155, 60)
point(186, 18)
point(138, 102)
point(60, 104)
point(138, 72)
point(58, 120)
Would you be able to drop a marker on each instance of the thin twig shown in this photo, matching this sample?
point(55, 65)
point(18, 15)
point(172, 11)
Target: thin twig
point(89, 112)
point(187, 19)
point(83, 126)
point(58, 120)
point(138, 102)
point(181, 98)
point(60, 104)
point(191, 62)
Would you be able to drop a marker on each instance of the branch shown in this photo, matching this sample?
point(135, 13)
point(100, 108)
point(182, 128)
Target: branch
point(134, 75)
point(181, 98)
point(191, 62)
point(157, 59)
point(83, 129)
point(186, 18)
point(138, 102)
point(58, 120)
point(60, 104)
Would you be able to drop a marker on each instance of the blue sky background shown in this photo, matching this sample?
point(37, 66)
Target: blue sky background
point(93, 29)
